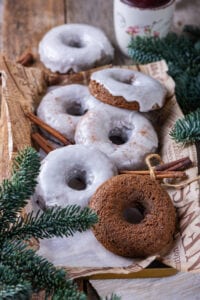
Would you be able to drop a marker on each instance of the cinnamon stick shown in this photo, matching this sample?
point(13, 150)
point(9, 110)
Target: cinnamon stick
point(42, 142)
point(26, 59)
point(187, 163)
point(158, 174)
point(177, 165)
point(48, 128)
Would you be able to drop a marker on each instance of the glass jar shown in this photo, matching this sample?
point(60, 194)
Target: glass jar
point(143, 18)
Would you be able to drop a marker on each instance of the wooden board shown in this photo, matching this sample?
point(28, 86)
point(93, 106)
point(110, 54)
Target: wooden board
point(94, 12)
point(22, 89)
point(25, 22)
point(30, 20)
point(97, 13)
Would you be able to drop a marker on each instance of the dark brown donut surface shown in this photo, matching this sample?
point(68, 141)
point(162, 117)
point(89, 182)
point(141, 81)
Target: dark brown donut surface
point(136, 216)
point(102, 94)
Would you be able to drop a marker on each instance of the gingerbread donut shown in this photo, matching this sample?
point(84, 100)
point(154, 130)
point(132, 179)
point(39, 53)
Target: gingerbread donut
point(136, 216)
point(71, 175)
point(127, 89)
point(75, 47)
point(126, 137)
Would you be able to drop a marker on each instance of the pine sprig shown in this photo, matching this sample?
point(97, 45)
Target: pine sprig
point(182, 54)
point(21, 269)
point(37, 270)
point(194, 31)
point(187, 129)
point(183, 58)
point(178, 51)
point(20, 291)
point(53, 222)
point(15, 192)
point(12, 286)
point(188, 89)
point(113, 297)
point(7, 275)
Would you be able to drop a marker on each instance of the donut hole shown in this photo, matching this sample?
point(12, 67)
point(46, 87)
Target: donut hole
point(77, 180)
point(125, 79)
point(134, 213)
point(75, 42)
point(118, 136)
point(76, 109)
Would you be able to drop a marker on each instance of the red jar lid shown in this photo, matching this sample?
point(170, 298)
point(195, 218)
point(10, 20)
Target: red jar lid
point(146, 3)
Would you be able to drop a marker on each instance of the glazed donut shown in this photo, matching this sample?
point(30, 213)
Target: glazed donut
point(71, 175)
point(75, 47)
point(62, 108)
point(136, 217)
point(127, 89)
point(125, 136)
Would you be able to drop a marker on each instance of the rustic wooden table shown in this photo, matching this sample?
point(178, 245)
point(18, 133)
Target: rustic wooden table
point(23, 23)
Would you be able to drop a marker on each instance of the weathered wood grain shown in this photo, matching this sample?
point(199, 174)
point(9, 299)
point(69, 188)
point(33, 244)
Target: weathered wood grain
point(97, 13)
point(25, 23)
point(182, 286)
point(4, 138)
point(1, 21)
point(21, 87)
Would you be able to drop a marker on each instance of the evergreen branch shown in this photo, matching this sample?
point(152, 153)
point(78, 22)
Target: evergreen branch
point(194, 31)
point(7, 275)
point(20, 291)
point(15, 192)
point(61, 294)
point(42, 274)
point(21, 269)
point(187, 129)
point(182, 54)
point(148, 49)
point(53, 222)
point(12, 286)
point(137, 50)
point(113, 297)
point(188, 90)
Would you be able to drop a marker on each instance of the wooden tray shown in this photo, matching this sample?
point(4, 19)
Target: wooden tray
point(21, 92)
point(25, 31)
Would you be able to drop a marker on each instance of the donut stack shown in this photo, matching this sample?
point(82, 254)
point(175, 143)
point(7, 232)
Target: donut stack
point(106, 122)
point(104, 115)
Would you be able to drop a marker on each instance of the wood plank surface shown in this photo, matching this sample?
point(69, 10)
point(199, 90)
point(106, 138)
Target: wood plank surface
point(182, 286)
point(25, 22)
point(94, 13)
point(97, 13)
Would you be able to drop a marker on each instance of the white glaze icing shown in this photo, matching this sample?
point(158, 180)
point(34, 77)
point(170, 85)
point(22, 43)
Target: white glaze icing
point(75, 46)
point(132, 86)
point(56, 107)
point(139, 136)
point(61, 165)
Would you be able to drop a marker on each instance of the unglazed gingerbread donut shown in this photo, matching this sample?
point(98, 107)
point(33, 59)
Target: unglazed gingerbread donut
point(127, 89)
point(136, 216)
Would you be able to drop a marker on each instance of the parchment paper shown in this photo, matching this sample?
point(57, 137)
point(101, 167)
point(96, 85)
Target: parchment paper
point(82, 254)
